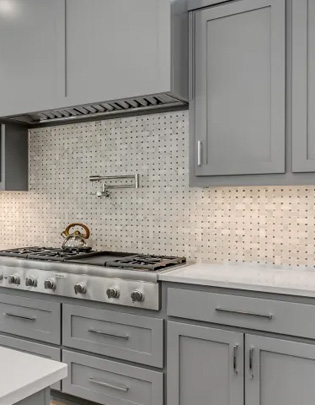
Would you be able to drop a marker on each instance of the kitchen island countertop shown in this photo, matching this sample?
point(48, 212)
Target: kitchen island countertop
point(23, 375)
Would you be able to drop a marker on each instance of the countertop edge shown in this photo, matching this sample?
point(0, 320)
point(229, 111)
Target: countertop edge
point(38, 385)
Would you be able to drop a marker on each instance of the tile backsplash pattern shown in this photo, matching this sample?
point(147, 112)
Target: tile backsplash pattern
point(165, 216)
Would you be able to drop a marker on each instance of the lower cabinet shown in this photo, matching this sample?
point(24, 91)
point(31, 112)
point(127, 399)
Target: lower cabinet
point(111, 383)
point(208, 366)
point(278, 372)
point(204, 366)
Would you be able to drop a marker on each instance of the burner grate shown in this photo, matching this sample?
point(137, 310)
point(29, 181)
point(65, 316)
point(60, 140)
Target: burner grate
point(146, 262)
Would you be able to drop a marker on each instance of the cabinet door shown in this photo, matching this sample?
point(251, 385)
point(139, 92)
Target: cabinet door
point(108, 57)
point(238, 108)
point(303, 86)
point(204, 366)
point(279, 372)
point(32, 49)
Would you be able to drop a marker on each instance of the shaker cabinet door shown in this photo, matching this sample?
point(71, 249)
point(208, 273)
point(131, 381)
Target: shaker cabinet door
point(32, 49)
point(279, 372)
point(238, 88)
point(205, 366)
point(303, 86)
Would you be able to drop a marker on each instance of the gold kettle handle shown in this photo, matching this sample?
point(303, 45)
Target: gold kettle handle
point(66, 232)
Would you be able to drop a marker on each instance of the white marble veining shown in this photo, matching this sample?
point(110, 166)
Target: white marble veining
point(255, 277)
point(23, 374)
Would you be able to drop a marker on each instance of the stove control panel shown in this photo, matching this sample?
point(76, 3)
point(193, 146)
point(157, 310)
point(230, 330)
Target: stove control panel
point(84, 286)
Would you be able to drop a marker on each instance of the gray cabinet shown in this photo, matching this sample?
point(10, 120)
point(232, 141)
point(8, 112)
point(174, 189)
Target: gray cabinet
point(279, 372)
point(208, 366)
point(123, 336)
point(204, 366)
point(238, 68)
point(13, 157)
point(32, 49)
point(111, 383)
point(303, 86)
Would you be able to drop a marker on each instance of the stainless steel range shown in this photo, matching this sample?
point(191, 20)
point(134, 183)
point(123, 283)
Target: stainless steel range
point(112, 277)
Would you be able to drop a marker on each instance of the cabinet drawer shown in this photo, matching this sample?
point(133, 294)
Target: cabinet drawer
point(36, 319)
point(129, 337)
point(45, 351)
point(259, 314)
point(111, 383)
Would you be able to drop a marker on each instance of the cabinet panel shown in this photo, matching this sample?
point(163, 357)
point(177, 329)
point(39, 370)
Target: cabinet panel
point(124, 336)
point(303, 86)
point(238, 109)
point(279, 372)
point(108, 55)
point(205, 366)
point(32, 48)
point(111, 383)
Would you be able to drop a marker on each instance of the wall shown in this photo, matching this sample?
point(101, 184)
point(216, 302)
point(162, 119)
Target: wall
point(165, 216)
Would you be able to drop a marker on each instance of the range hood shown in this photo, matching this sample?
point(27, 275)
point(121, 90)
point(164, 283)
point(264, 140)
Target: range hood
point(115, 63)
point(95, 111)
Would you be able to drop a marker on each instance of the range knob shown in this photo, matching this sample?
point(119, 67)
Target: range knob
point(1, 276)
point(50, 284)
point(113, 292)
point(14, 279)
point(137, 296)
point(80, 288)
point(31, 281)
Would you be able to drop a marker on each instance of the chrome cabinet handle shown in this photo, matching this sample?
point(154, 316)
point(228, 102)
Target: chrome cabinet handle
point(235, 350)
point(116, 335)
point(199, 153)
point(246, 313)
point(251, 362)
point(117, 387)
point(25, 318)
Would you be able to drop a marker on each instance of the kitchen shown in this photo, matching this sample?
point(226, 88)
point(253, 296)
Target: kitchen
point(186, 152)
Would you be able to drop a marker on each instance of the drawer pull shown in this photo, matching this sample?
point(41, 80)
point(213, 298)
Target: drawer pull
point(117, 387)
point(25, 318)
point(235, 312)
point(116, 335)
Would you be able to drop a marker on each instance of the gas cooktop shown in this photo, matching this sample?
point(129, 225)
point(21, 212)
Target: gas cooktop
point(131, 261)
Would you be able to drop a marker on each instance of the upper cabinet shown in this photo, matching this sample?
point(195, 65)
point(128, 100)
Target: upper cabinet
point(32, 50)
point(238, 89)
point(60, 54)
point(303, 86)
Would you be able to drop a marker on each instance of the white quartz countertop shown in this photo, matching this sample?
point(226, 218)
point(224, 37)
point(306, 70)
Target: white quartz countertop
point(22, 375)
point(255, 277)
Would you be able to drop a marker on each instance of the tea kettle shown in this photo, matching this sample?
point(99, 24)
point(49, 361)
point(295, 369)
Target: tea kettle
point(76, 239)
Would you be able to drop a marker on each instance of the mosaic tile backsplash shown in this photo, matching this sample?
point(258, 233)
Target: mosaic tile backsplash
point(165, 216)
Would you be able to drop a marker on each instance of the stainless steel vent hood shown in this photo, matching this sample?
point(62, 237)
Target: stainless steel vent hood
point(116, 57)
